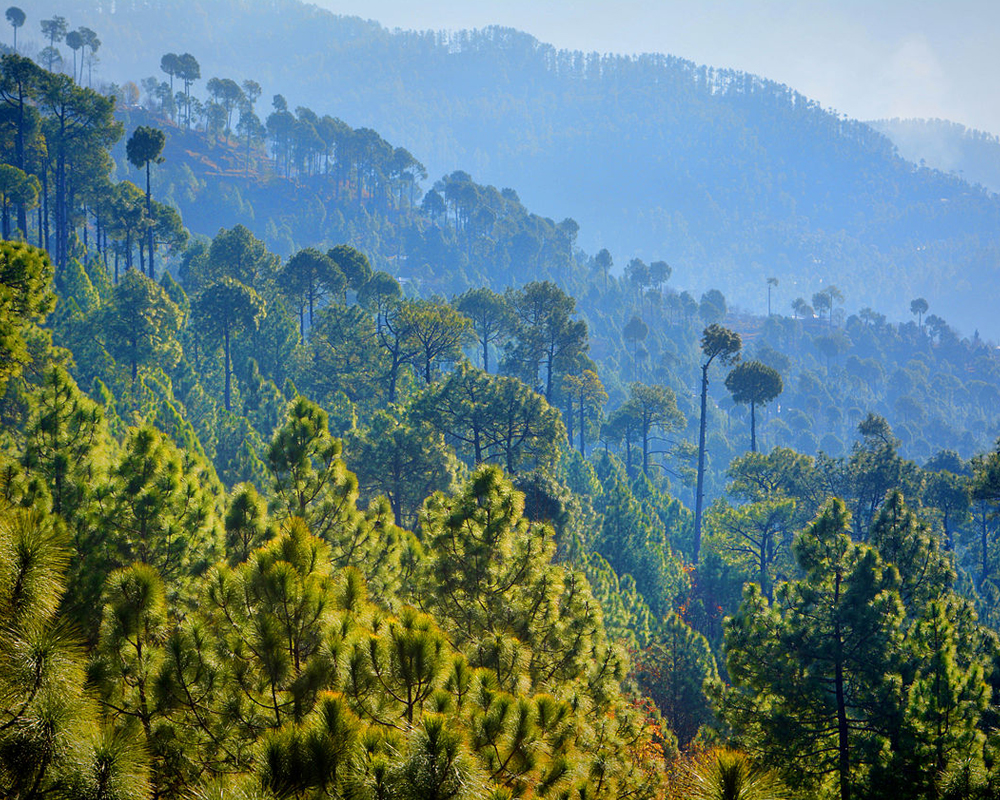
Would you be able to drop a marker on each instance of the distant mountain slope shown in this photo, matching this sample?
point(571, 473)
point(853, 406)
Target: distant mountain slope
point(947, 146)
point(730, 178)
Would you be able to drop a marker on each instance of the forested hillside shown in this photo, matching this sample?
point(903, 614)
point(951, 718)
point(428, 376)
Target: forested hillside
point(934, 387)
point(728, 177)
point(316, 481)
point(947, 146)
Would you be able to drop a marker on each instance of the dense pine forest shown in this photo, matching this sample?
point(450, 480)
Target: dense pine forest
point(322, 476)
point(725, 175)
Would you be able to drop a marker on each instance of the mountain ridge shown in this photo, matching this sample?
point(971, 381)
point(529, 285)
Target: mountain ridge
point(729, 177)
point(948, 146)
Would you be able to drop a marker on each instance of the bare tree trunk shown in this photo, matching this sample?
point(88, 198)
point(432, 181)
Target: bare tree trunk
point(700, 491)
point(843, 753)
point(149, 214)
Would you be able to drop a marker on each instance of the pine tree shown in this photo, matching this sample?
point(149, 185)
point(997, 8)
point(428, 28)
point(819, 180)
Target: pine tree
point(438, 766)
point(129, 657)
point(925, 572)
point(143, 149)
point(724, 774)
point(65, 444)
point(160, 507)
point(403, 460)
point(439, 333)
point(247, 524)
point(317, 755)
point(814, 672)
point(756, 384)
point(946, 700)
point(492, 418)
point(344, 356)
point(308, 278)
point(223, 310)
point(589, 395)
point(633, 542)
point(406, 659)
point(506, 605)
point(491, 315)
point(310, 481)
point(672, 670)
point(52, 739)
point(140, 324)
point(26, 298)
point(756, 538)
point(485, 554)
point(722, 344)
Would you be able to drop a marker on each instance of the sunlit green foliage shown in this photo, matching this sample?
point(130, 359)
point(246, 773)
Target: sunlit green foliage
point(418, 585)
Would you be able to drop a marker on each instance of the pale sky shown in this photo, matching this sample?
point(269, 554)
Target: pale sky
point(874, 59)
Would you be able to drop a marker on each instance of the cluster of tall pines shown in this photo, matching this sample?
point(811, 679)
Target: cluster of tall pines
point(354, 522)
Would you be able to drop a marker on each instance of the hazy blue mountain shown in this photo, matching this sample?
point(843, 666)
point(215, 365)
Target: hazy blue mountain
point(948, 146)
point(729, 177)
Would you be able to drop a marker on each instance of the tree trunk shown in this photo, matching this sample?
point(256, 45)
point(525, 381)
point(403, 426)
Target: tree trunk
point(45, 206)
point(392, 378)
point(753, 427)
point(22, 214)
point(765, 583)
point(22, 220)
point(645, 449)
point(134, 360)
point(699, 497)
point(397, 486)
point(984, 542)
point(62, 239)
point(569, 418)
point(583, 448)
point(57, 499)
point(843, 753)
point(477, 445)
point(149, 215)
point(548, 376)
